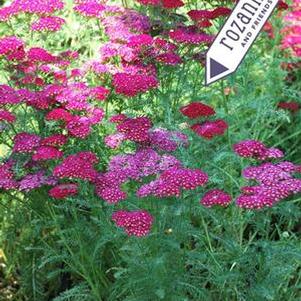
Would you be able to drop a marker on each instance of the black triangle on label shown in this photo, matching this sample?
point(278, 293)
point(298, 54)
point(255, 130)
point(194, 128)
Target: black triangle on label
point(216, 68)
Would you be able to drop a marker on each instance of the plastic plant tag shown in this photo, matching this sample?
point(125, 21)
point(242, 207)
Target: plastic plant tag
point(236, 37)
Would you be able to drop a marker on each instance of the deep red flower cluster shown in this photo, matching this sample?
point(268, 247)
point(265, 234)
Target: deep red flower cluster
point(291, 106)
point(197, 15)
point(62, 191)
point(207, 129)
point(196, 110)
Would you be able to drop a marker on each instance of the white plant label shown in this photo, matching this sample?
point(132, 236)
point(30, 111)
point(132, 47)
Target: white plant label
point(236, 37)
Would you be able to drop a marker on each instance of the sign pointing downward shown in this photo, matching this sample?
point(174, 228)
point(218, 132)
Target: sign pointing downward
point(236, 37)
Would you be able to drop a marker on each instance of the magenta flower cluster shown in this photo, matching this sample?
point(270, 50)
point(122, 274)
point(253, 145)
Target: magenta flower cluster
point(275, 181)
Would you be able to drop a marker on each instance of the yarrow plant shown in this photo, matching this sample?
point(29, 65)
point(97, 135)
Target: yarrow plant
point(122, 177)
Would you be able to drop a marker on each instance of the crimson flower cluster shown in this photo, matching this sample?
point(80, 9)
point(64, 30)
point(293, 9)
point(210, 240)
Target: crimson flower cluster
point(291, 106)
point(207, 129)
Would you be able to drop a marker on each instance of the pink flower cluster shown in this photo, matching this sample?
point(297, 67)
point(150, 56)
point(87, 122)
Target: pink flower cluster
point(39, 149)
point(39, 7)
point(190, 35)
point(133, 84)
point(143, 164)
point(257, 150)
point(78, 166)
point(137, 223)
point(172, 181)
point(12, 48)
point(90, 9)
point(50, 23)
point(168, 4)
point(140, 130)
point(276, 182)
point(36, 180)
point(292, 32)
point(216, 197)
point(7, 180)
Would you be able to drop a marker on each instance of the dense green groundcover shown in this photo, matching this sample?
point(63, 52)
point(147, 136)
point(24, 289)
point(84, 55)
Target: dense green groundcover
point(70, 249)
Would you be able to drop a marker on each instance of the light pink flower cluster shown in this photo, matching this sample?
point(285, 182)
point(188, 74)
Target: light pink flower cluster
point(292, 32)
point(168, 4)
point(124, 23)
point(142, 48)
point(123, 168)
